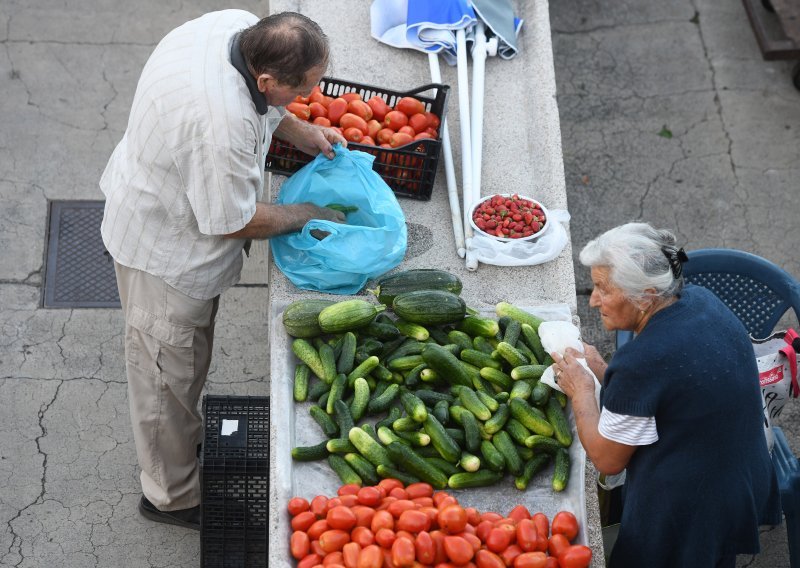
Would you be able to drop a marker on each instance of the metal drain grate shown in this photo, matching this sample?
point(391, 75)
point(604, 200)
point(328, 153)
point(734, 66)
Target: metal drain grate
point(79, 272)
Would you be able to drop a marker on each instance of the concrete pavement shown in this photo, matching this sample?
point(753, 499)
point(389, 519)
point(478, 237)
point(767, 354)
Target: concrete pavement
point(625, 72)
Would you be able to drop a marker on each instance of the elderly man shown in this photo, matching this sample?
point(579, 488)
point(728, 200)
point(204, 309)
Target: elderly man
point(183, 191)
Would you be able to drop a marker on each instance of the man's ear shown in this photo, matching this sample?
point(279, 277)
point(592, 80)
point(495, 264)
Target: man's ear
point(262, 81)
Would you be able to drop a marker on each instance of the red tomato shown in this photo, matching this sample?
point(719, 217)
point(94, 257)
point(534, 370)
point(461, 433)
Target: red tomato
point(303, 520)
point(373, 127)
point(342, 518)
point(413, 521)
point(420, 489)
point(527, 535)
point(542, 524)
point(379, 108)
point(433, 132)
point(350, 553)
point(334, 559)
point(488, 559)
point(349, 500)
point(510, 553)
point(301, 99)
point(438, 541)
point(309, 561)
point(440, 496)
point(407, 130)
point(395, 120)
point(498, 539)
point(423, 136)
point(384, 135)
point(317, 549)
point(419, 122)
point(472, 539)
point(363, 514)
point(491, 516)
point(353, 134)
point(423, 501)
point(433, 514)
point(552, 562)
point(473, 516)
point(336, 110)
point(397, 508)
point(371, 557)
point(299, 545)
point(565, 523)
point(519, 512)
point(363, 536)
point(300, 110)
point(333, 540)
point(403, 553)
point(425, 547)
point(483, 529)
point(297, 505)
point(385, 538)
point(318, 110)
point(458, 549)
point(322, 121)
point(433, 120)
point(352, 96)
point(386, 501)
point(316, 95)
point(319, 527)
point(452, 519)
point(400, 139)
point(360, 108)
point(530, 560)
point(409, 106)
point(350, 120)
point(382, 520)
point(399, 493)
point(557, 544)
point(576, 556)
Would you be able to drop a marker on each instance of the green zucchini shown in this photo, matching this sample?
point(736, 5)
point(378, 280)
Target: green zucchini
point(348, 315)
point(301, 317)
point(446, 365)
point(365, 470)
point(474, 325)
point(416, 465)
point(429, 307)
point(343, 470)
point(309, 355)
point(480, 478)
point(530, 417)
point(531, 468)
point(300, 387)
point(555, 416)
point(416, 279)
point(441, 440)
point(561, 470)
point(310, 453)
point(369, 447)
point(509, 310)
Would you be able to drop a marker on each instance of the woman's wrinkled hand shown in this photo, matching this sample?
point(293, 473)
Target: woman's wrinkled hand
point(595, 361)
point(570, 375)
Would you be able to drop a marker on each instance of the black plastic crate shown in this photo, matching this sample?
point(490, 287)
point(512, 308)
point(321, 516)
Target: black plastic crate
point(409, 170)
point(234, 477)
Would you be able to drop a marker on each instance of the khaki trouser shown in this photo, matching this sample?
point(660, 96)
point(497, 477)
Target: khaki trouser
point(168, 341)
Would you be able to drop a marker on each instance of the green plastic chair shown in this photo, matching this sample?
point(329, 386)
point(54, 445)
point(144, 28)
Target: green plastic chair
point(759, 293)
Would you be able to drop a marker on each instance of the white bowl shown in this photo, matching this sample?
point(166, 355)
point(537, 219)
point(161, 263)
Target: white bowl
point(532, 237)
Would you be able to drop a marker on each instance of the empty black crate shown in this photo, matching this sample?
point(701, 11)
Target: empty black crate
point(234, 476)
point(409, 170)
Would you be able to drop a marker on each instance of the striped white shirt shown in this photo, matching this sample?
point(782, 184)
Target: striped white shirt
point(628, 430)
point(190, 166)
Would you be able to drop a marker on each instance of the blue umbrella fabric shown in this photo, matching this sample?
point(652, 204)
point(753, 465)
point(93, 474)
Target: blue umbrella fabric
point(498, 15)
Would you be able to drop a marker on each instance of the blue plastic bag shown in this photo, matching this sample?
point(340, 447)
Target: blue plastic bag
point(371, 243)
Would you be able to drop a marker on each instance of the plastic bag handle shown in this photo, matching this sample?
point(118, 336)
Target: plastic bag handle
point(790, 351)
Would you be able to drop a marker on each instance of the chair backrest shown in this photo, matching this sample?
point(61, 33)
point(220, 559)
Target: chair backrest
point(756, 290)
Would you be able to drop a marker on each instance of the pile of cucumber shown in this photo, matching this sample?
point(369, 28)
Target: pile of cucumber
point(435, 393)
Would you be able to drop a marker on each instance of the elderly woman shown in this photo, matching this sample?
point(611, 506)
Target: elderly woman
point(680, 410)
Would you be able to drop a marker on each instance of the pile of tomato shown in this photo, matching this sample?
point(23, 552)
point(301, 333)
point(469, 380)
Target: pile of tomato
point(372, 122)
point(509, 216)
point(392, 526)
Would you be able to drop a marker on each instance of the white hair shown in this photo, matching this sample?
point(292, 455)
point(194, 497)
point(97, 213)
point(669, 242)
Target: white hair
point(638, 258)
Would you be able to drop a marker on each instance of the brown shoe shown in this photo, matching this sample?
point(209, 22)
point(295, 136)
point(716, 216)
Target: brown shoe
point(187, 518)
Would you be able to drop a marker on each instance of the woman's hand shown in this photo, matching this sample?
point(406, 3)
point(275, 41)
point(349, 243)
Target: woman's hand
point(570, 375)
point(595, 361)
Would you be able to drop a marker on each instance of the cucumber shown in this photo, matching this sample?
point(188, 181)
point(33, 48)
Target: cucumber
point(479, 359)
point(457, 434)
point(472, 403)
point(370, 346)
point(344, 420)
point(405, 363)
point(417, 279)
point(364, 368)
point(412, 377)
point(502, 397)
point(381, 331)
point(405, 424)
point(488, 400)
point(491, 457)
point(360, 398)
point(496, 377)
point(469, 462)
point(370, 430)
point(381, 373)
point(310, 453)
point(348, 315)
point(480, 478)
point(561, 397)
point(386, 471)
point(545, 444)
point(511, 354)
point(472, 434)
point(482, 344)
point(336, 393)
point(431, 397)
point(517, 431)
point(428, 375)
point(512, 331)
point(525, 350)
point(340, 446)
point(528, 372)
point(328, 360)
point(441, 440)
point(317, 389)
point(416, 438)
point(301, 317)
point(561, 470)
point(531, 468)
point(509, 310)
point(369, 447)
point(416, 465)
point(413, 406)
point(382, 402)
point(555, 416)
point(443, 465)
point(347, 353)
point(439, 335)
point(532, 340)
point(530, 417)
point(329, 427)
point(394, 414)
point(505, 445)
point(389, 347)
point(429, 307)
point(300, 387)
point(309, 355)
point(386, 436)
point(442, 411)
point(408, 347)
point(540, 394)
point(343, 470)
point(412, 330)
point(446, 365)
point(474, 325)
point(461, 339)
point(365, 470)
point(521, 389)
point(498, 419)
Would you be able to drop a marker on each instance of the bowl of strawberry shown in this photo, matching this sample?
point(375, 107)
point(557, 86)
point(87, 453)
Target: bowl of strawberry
point(509, 217)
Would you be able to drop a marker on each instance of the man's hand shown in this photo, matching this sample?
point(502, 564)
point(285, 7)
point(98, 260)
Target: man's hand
point(310, 138)
point(271, 220)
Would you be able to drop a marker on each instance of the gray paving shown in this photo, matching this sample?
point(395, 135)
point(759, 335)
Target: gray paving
point(625, 71)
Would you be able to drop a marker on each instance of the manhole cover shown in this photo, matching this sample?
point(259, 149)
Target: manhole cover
point(79, 272)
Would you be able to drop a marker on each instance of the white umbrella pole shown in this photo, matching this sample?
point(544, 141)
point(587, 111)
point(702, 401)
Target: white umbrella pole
point(449, 168)
point(478, 76)
point(466, 145)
